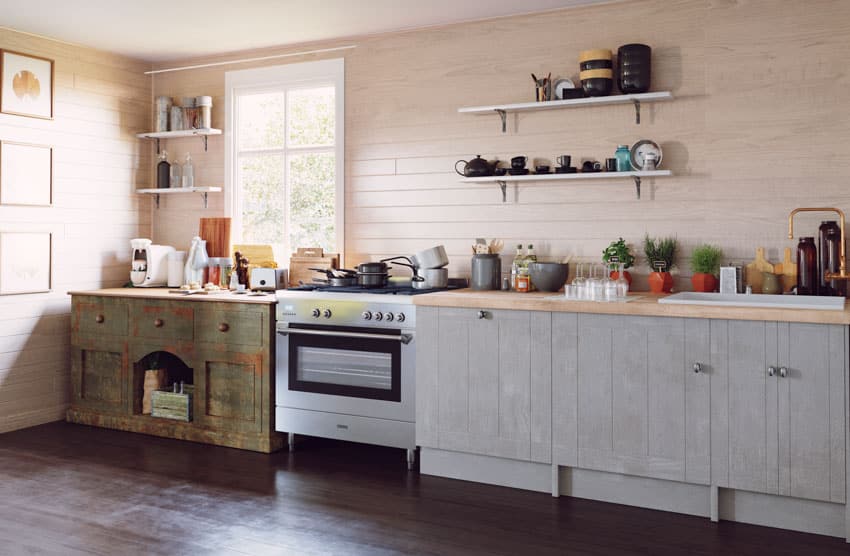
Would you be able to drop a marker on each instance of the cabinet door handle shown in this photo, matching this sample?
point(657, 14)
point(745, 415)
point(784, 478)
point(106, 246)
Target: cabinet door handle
point(771, 371)
point(697, 367)
point(483, 314)
point(99, 319)
point(223, 327)
point(783, 372)
point(158, 323)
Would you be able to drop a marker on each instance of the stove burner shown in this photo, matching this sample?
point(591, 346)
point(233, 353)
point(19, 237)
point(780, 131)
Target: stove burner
point(386, 290)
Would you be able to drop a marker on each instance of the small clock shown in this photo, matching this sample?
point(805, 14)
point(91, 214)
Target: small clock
point(639, 151)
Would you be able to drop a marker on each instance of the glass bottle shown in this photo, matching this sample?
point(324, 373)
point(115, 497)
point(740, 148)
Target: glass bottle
point(829, 240)
point(530, 257)
point(163, 171)
point(188, 172)
point(175, 180)
point(622, 283)
point(517, 262)
point(623, 156)
point(807, 272)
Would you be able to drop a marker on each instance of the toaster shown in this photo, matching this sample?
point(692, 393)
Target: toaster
point(267, 279)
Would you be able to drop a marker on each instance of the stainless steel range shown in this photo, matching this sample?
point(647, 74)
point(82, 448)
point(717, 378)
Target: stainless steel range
point(345, 367)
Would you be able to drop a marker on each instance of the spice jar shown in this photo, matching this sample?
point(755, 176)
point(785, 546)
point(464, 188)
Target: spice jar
point(204, 109)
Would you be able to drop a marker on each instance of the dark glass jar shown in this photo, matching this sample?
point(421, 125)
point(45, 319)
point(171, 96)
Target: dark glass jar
point(807, 267)
point(827, 255)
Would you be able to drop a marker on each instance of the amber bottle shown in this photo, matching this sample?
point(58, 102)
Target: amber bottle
point(807, 267)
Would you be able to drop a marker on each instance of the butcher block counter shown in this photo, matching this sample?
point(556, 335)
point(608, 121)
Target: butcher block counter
point(221, 344)
point(640, 304)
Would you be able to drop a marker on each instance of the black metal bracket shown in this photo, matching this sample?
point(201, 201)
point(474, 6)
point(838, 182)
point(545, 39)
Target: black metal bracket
point(637, 111)
point(157, 145)
point(204, 137)
point(503, 185)
point(157, 200)
point(205, 199)
point(504, 116)
point(637, 186)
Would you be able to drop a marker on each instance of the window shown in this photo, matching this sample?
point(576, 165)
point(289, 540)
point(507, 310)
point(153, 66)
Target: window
point(284, 146)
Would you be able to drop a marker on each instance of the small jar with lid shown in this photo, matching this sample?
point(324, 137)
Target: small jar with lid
point(623, 156)
point(203, 105)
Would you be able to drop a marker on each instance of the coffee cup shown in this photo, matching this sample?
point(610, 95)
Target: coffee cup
point(611, 164)
point(518, 162)
point(563, 160)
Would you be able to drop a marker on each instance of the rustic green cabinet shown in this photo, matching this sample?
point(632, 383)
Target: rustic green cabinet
point(225, 349)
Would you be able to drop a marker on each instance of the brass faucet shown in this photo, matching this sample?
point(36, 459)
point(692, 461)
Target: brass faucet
point(842, 268)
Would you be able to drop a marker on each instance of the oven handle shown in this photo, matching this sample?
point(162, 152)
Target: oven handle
point(403, 338)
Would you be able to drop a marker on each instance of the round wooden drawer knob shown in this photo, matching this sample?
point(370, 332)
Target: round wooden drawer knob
point(223, 327)
point(158, 323)
point(99, 319)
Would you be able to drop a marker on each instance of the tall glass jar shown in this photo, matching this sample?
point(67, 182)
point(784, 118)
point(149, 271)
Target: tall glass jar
point(623, 156)
point(807, 267)
point(829, 241)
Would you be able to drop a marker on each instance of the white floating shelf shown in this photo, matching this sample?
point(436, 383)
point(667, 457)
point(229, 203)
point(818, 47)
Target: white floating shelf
point(203, 133)
point(503, 109)
point(177, 190)
point(503, 180)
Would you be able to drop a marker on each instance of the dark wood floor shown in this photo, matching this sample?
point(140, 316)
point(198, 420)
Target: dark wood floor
point(69, 489)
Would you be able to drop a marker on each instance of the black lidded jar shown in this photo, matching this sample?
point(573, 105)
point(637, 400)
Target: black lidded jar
point(829, 258)
point(163, 172)
point(807, 267)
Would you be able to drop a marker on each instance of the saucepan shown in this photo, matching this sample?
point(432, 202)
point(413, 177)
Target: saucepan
point(435, 257)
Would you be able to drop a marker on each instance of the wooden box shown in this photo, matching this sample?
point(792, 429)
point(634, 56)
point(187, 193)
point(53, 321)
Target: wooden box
point(306, 258)
point(173, 405)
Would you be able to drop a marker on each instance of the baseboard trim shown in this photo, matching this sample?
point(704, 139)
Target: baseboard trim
point(486, 469)
point(33, 418)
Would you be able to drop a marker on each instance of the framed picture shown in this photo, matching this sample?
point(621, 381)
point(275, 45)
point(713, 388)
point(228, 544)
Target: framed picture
point(26, 85)
point(26, 174)
point(25, 262)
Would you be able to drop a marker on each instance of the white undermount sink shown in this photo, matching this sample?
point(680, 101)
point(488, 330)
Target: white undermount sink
point(756, 300)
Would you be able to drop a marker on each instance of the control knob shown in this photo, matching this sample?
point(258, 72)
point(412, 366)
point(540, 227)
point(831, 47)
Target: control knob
point(400, 317)
point(327, 313)
point(389, 317)
point(316, 313)
point(367, 315)
point(379, 316)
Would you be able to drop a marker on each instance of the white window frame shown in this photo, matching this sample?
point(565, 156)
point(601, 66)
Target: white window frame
point(271, 78)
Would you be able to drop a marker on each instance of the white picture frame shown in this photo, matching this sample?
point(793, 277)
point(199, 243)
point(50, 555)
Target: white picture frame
point(26, 174)
point(26, 85)
point(25, 262)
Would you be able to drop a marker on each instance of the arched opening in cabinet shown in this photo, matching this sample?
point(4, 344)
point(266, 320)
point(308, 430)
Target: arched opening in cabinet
point(159, 370)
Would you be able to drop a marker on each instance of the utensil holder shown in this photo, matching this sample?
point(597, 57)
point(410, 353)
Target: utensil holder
point(486, 272)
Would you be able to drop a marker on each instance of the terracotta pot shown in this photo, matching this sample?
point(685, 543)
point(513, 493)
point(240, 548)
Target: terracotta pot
point(703, 282)
point(660, 282)
point(615, 275)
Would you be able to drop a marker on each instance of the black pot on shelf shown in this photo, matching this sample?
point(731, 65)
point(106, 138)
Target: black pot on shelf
point(634, 68)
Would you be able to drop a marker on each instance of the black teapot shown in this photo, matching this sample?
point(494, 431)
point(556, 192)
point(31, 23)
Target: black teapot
point(476, 168)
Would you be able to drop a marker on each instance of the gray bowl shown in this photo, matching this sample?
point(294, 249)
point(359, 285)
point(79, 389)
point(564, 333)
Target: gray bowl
point(548, 277)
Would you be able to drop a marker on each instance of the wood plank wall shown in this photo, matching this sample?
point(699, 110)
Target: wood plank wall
point(759, 126)
point(101, 101)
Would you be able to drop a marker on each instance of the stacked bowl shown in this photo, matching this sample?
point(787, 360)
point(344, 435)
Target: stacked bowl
point(596, 74)
point(634, 61)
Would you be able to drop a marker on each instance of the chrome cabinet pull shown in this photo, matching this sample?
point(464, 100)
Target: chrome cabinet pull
point(783, 372)
point(697, 367)
point(483, 314)
point(771, 371)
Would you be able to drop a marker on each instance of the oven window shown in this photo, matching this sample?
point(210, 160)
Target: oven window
point(344, 367)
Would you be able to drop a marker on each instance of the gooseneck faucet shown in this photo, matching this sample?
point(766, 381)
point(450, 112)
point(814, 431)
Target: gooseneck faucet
point(842, 261)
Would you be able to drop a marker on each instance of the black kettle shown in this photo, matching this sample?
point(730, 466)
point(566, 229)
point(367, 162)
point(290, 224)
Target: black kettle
point(476, 168)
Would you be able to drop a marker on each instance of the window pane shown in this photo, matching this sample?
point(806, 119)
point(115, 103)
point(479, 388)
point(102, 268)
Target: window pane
point(311, 117)
point(263, 199)
point(311, 201)
point(261, 120)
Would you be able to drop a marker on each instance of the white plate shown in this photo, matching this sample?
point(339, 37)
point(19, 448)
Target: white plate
point(561, 84)
point(638, 152)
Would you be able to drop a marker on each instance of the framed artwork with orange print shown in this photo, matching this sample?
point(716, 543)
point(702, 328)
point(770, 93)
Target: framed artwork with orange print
point(26, 85)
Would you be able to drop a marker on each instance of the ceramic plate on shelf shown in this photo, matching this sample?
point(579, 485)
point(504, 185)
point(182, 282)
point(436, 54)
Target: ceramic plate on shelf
point(639, 151)
point(559, 85)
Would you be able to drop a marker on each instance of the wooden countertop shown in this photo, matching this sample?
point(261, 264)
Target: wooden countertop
point(162, 293)
point(647, 305)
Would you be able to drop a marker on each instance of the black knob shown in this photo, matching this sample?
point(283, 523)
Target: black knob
point(316, 313)
point(367, 315)
point(327, 313)
point(379, 316)
point(400, 317)
point(390, 317)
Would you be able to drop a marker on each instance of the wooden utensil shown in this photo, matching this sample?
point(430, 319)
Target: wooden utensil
point(216, 232)
point(787, 271)
point(754, 270)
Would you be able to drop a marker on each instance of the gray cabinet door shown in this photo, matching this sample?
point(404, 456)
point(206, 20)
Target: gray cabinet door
point(633, 382)
point(488, 388)
point(811, 411)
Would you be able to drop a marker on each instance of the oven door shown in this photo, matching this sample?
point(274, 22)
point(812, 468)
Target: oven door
point(350, 370)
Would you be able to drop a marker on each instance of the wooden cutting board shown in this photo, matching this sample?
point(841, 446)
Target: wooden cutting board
point(754, 270)
point(306, 258)
point(216, 232)
point(787, 271)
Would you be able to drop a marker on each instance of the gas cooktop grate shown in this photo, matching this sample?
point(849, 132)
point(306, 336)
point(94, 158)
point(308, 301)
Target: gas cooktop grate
point(387, 290)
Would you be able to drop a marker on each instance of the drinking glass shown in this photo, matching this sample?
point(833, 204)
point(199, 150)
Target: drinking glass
point(579, 282)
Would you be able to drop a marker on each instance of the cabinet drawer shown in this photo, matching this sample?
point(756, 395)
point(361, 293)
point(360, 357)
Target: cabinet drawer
point(226, 326)
point(162, 320)
point(96, 317)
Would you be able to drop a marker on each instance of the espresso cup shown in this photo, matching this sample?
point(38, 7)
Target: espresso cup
point(518, 162)
point(611, 164)
point(563, 160)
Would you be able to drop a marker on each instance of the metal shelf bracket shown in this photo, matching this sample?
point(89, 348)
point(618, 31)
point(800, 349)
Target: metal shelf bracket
point(504, 116)
point(206, 204)
point(637, 186)
point(637, 111)
point(503, 185)
point(157, 200)
point(204, 138)
point(157, 145)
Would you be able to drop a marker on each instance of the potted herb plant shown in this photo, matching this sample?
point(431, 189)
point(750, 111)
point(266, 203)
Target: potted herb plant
point(705, 265)
point(660, 254)
point(619, 253)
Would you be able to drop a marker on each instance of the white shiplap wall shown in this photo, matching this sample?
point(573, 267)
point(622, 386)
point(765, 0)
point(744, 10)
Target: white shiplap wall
point(759, 126)
point(101, 101)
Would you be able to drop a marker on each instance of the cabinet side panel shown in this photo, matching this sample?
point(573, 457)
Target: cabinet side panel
point(427, 353)
point(565, 398)
point(541, 387)
point(837, 400)
point(719, 342)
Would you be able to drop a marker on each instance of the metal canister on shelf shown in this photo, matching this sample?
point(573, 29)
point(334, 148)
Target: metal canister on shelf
point(176, 118)
point(190, 113)
point(163, 109)
point(204, 110)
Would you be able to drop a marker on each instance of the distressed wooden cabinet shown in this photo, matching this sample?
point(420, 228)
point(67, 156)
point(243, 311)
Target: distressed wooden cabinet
point(483, 382)
point(782, 428)
point(225, 349)
point(627, 397)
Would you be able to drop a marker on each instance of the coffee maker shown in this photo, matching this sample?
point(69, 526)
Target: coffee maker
point(149, 263)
